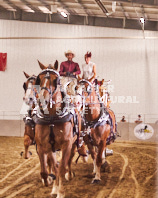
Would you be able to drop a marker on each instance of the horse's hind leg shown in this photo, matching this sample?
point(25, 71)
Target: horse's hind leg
point(27, 143)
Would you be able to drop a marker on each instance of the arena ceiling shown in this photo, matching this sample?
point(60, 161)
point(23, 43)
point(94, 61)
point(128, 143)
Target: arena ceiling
point(107, 13)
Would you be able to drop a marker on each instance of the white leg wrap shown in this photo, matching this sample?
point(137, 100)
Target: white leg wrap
point(67, 176)
point(97, 176)
point(43, 182)
point(55, 189)
point(94, 166)
point(60, 195)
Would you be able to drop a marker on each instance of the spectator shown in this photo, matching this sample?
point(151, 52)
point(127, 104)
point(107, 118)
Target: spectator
point(139, 119)
point(123, 119)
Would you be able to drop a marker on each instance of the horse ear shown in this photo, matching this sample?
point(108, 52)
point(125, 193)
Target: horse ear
point(102, 81)
point(41, 65)
point(79, 78)
point(56, 65)
point(27, 76)
point(38, 80)
point(24, 86)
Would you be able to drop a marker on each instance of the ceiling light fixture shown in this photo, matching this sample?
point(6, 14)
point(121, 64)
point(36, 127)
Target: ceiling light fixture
point(142, 20)
point(63, 14)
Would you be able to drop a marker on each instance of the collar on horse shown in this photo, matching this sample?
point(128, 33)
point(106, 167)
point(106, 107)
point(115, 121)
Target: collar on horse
point(104, 115)
point(65, 115)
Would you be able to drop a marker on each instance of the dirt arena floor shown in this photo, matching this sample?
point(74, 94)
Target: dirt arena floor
point(132, 172)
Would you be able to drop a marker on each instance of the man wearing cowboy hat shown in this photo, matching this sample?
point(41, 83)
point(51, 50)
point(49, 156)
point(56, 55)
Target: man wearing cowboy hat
point(69, 68)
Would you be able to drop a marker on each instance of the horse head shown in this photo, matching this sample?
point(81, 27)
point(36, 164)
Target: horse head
point(30, 92)
point(83, 90)
point(49, 81)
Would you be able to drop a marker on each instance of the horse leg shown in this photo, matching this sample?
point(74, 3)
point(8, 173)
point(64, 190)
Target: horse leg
point(27, 143)
point(52, 163)
point(92, 152)
point(43, 162)
point(98, 164)
point(69, 175)
point(66, 151)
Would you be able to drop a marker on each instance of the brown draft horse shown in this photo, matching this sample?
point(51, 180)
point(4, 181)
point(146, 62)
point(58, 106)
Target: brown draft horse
point(97, 135)
point(29, 98)
point(54, 134)
point(106, 99)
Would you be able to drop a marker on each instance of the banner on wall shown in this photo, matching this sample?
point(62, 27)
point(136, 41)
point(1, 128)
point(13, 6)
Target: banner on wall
point(3, 61)
point(143, 131)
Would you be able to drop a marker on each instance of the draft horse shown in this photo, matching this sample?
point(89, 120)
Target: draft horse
point(96, 124)
point(30, 99)
point(54, 127)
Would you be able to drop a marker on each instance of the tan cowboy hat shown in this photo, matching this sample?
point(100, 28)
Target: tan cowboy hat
point(69, 52)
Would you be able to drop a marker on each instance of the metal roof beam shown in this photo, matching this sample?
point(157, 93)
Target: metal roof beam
point(102, 7)
point(142, 2)
point(82, 6)
point(123, 10)
point(65, 7)
point(30, 5)
point(11, 4)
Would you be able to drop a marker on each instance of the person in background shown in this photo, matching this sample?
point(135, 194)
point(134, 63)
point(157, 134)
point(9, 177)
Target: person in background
point(89, 68)
point(69, 68)
point(123, 119)
point(139, 119)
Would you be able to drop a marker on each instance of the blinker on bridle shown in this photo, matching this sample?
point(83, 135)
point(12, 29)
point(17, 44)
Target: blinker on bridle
point(51, 93)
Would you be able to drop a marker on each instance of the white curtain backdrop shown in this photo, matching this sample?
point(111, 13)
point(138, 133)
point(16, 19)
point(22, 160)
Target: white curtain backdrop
point(123, 56)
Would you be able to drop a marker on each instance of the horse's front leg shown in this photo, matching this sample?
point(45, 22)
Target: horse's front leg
point(101, 146)
point(98, 161)
point(43, 163)
point(66, 151)
point(52, 163)
point(69, 175)
point(91, 150)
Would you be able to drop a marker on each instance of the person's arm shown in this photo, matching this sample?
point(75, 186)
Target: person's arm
point(77, 68)
point(61, 72)
point(94, 71)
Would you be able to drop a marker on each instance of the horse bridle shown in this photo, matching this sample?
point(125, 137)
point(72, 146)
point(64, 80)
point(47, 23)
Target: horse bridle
point(30, 80)
point(51, 93)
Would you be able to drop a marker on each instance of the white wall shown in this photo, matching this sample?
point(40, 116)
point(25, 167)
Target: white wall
point(123, 56)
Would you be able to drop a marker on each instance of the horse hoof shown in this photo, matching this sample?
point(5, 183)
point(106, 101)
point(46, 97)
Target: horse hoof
point(52, 176)
point(30, 152)
point(68, 177)
point(49, 180)
point(21, 154)
point(60, 195)
point(104, 166)
point(43, 182)
point(96, 181)
point(54, 190)
point(85, 159)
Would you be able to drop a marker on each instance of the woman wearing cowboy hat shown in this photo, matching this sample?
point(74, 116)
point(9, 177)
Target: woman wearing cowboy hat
point(68, 68)
point(89, 68)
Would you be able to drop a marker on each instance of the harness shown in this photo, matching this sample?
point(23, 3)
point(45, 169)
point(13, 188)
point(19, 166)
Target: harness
point(104, 118)
point(28, 118)
point(66, 115)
